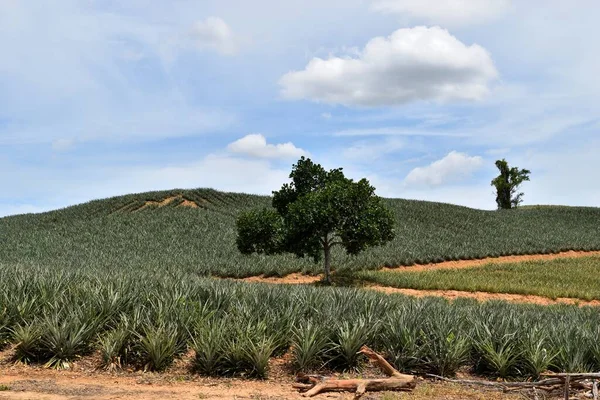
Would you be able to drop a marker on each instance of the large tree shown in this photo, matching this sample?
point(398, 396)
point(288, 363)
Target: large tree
point(317, 211)
point(507, 184)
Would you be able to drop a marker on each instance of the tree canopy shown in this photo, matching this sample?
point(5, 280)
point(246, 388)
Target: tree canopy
point(315, 212)
point(507, 184)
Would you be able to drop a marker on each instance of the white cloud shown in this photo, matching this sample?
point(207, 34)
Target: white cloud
point(326, 115)
point(369, 151)
point(411, 64)
point(214, 33)
point(452, 168)
point(256, 145)
point(448, 12)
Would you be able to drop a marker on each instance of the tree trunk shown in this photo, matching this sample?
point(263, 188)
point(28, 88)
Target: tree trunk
point(327, 250)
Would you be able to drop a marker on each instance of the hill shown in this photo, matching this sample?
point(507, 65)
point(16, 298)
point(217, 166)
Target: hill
point(194, 231)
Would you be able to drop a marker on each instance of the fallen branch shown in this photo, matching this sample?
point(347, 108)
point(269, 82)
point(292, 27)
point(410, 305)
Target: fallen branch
point(551, 383)
point(396, 381)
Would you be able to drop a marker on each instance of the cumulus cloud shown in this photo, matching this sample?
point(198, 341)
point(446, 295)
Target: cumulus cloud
point(411, 64)
point(452, 12)
point(256, 145)
point(452, 168)
point(214, 33)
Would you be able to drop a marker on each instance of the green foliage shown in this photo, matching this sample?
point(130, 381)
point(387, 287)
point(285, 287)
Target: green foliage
point(445, 347)
point(236, 327)
point(309, 342)
point(538, 354)
point(562, 277)
point(259, 231)
point(401, 337)
point(27, 339)
point(132, 284)
point(107, 235)
point(64, 338)
point(208, 345)
point(158, 346)
point(113, 348)
point(318, 210)
point(507, 184)
point(350, 337)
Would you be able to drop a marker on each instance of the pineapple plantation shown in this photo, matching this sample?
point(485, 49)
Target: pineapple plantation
point(136, 281)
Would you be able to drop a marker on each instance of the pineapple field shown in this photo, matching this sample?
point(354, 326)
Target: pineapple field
point(148, 319)
point(194, 231)
point(137, 281)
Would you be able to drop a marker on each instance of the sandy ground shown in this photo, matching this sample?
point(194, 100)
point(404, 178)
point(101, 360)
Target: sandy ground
point(299, 279)
point(67, 385)
point(497, 260)
point(485, 296)
point(85, 381)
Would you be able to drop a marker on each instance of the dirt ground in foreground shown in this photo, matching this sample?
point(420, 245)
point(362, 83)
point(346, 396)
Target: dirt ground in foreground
point(85, 381)
point(54, 385)
point(299, 279)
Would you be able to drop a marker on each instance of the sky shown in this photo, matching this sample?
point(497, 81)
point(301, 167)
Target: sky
point(421, 97)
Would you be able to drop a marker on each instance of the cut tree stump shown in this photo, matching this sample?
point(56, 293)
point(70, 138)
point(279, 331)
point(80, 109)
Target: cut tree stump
point(396, 381)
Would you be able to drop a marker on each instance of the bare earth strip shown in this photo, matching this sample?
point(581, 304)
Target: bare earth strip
point(485, 296)
point(67, 385)
point(497, 260)
point(299, 279)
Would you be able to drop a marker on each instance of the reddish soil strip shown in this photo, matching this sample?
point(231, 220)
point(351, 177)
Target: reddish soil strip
point(299, 279)
point(291, 279)
point(85, 381)
point(485, 296)
point(497, 260)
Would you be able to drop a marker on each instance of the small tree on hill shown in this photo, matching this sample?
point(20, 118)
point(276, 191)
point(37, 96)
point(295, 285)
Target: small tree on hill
point(507, 184)
point(317, 211)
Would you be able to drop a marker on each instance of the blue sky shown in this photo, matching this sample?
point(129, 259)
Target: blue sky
point(101, 98)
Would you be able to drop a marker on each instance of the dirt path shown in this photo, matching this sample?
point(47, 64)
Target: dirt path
point(485, 296)
point(53, 385)
point(299, 279)
point(497, 260)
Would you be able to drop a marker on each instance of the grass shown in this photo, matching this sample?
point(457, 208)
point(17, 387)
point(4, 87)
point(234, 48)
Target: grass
point(568, 277)
point(120, 233)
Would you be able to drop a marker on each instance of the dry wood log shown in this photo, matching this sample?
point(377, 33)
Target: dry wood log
point(574, 376)
point(396, 380)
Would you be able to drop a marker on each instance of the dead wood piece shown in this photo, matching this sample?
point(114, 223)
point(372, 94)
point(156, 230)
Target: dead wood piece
point(381, 362)
point(313, 385)
point(360, 390)
point(567, 384)
point(352, 385)
point(575, 376)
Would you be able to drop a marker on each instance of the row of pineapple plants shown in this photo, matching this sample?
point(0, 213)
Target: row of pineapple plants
point(202, 240)
point(148, 320)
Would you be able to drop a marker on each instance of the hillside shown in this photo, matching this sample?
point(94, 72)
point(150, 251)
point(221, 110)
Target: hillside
point(194, 231)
